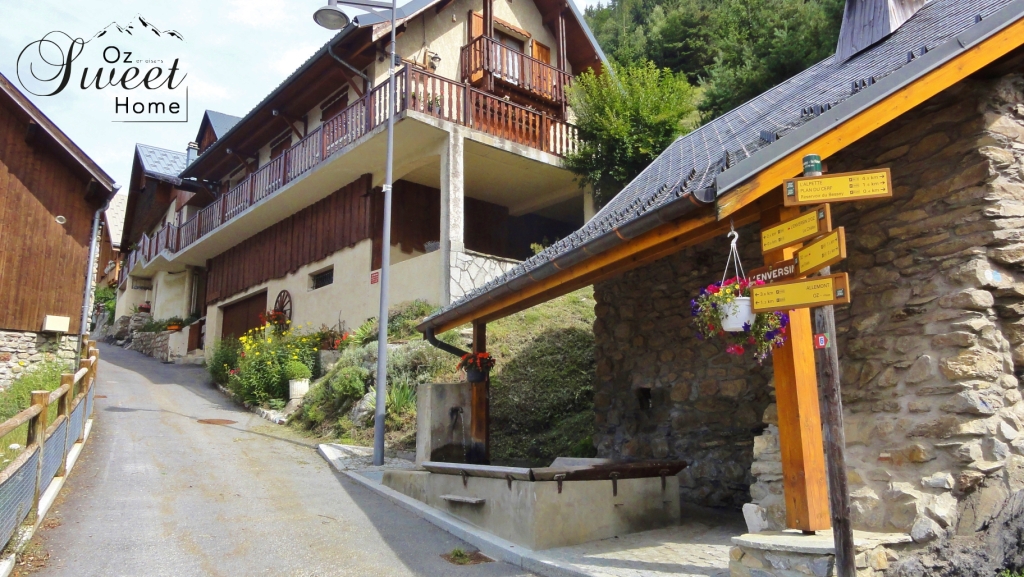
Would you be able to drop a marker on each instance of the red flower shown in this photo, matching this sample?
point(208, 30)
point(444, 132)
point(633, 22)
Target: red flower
point(713, 289)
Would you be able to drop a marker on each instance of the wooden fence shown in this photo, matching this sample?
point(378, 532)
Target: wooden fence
point(47, 445)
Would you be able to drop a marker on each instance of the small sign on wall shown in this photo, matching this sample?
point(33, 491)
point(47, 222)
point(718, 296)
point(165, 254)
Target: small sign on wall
point(375, 277)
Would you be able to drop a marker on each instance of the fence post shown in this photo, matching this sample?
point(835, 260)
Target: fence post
point(84, 364)
point(37, 435)
point(64, 408)
point(94, 355)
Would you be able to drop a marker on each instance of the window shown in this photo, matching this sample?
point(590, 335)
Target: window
point(334, 107)
point(321, 279)
point(643, 397)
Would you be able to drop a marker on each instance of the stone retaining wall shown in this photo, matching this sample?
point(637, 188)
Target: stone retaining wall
point(151, 344)
point(470, 270)
point(22, 350)
point(928, 348)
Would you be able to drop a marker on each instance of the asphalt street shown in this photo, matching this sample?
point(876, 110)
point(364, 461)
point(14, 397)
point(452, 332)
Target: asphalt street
point(156, 493)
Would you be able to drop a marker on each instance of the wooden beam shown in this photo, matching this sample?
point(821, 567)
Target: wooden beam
point(290, 122)
point(876, 116)
point(480, 420)
point(796, 396)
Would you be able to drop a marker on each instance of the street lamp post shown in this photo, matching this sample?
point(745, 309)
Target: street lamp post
point(332, 18)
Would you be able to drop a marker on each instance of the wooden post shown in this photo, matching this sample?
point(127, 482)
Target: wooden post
point(835, 441)
point(84, 364)
point(64, 408)
point(479, 421)
point(796, 395)
point(37, 435)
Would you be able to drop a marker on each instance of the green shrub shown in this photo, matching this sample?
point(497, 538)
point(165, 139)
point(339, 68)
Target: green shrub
point(261, 374)
point(295, 370)
point(106, 296)
point(403, 318)
point(1011, 573)
point(154, 326)
point(223, 360)
point(348, 384)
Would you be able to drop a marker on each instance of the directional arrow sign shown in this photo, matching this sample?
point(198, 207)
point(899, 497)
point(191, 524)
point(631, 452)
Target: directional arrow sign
point(803, 293)
point(821, 253)
point(860, 185)
point(804, 227)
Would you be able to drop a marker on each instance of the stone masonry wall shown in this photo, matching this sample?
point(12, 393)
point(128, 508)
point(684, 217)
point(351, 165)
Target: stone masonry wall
point(470, 270)
point(21, 350)
point(705, 406)
point(930, 348)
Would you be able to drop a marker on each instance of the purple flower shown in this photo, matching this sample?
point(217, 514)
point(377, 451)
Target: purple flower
point(700, 336)
point(746, 327)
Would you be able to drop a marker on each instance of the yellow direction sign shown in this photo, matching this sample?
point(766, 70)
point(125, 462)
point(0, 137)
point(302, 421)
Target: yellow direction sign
point(821, 253)
point(798, 294)
point(795, 230)
point(784, 270)
point(860, 185)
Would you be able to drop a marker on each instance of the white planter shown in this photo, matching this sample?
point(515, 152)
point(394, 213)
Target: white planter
point(736, 313)
point(297, 388)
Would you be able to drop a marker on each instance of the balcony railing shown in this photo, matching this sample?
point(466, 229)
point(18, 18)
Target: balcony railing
point(419, 91)
point(507, 65)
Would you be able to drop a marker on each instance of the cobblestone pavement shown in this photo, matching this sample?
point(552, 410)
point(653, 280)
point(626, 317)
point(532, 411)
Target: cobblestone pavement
point(699, 547)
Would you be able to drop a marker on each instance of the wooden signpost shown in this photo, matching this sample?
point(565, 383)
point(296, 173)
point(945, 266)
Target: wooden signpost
point(804, 227)
point(789, 286)
point(822, 253)
point(801, 293)
point(861, 185)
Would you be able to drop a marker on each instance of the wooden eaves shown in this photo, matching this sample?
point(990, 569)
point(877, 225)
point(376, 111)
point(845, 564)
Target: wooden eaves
point(744, 203)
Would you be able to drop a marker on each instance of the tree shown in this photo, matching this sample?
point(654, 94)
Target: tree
point(626, 117)
point(736, 49)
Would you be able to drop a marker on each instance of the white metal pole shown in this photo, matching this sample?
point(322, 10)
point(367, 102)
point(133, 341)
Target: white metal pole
point(385, 260)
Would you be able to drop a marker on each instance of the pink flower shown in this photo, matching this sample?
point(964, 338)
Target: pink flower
point(713, 289)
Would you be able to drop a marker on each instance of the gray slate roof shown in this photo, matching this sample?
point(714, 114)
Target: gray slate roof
point(114, 217)
point(221, 122)
point(160, 162)
point(723, 153)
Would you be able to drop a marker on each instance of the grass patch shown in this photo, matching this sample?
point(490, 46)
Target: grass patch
point(542, 393)
point(16, 398)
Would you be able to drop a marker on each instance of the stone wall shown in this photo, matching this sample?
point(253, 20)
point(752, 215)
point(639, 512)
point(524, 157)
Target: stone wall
point(660, 392)
point(928, 347)
point(151, 344)
point(470, 270)
point(21, 350)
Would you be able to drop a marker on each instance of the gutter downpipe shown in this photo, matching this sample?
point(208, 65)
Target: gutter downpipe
point(89, 267)
point(429, 334)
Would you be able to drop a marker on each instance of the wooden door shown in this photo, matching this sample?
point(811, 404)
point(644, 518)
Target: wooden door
point(541, 52)
point(243, 316)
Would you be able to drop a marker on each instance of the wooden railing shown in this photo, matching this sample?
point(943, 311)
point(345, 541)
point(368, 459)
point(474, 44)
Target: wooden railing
point(44, 433)
point(418, 91)
point(487, 55)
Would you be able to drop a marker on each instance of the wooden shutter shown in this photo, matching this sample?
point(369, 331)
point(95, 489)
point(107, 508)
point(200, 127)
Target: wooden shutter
point(541, 52)
point(476, 25)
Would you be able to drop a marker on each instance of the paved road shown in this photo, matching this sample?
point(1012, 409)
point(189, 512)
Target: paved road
point(156, 493)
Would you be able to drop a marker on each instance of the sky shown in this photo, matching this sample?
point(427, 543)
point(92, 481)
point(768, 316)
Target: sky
point(233, 53)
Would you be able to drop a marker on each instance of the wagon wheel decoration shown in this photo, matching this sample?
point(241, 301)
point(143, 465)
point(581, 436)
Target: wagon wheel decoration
point(283, 304)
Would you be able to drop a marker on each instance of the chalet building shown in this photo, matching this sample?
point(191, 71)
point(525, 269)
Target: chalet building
point(282, 209)
point(52, 191)
point(930, 346)
point(109, 258)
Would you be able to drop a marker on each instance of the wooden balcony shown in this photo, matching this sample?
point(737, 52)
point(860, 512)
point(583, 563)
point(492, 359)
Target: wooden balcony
point(485, 61)
point(418, 91)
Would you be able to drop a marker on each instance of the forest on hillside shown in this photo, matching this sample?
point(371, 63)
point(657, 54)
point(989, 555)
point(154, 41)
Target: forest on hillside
point(732, 49)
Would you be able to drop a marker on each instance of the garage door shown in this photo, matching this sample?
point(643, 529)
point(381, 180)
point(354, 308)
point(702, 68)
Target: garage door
point(243, 315)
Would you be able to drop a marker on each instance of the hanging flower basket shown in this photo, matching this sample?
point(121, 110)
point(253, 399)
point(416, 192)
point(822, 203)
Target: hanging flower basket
point(477, 366)
point(737, 315)
point(722, 310)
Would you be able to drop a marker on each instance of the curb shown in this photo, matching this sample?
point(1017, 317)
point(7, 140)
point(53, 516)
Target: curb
point(276, 417)
point(24, 535)
point(490, 545)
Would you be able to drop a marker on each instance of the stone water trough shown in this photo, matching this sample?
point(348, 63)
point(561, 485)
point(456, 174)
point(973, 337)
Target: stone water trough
point(571, 502)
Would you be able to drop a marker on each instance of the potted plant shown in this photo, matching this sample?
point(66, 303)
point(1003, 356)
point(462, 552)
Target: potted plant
point(145, 307)
point(175, 323)
point(298, 375)
point(722, 310)
point(278, 320)
point(477, 366)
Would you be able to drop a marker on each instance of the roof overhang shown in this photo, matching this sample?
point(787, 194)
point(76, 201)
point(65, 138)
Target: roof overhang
point(61, 144)
point(744, 189)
